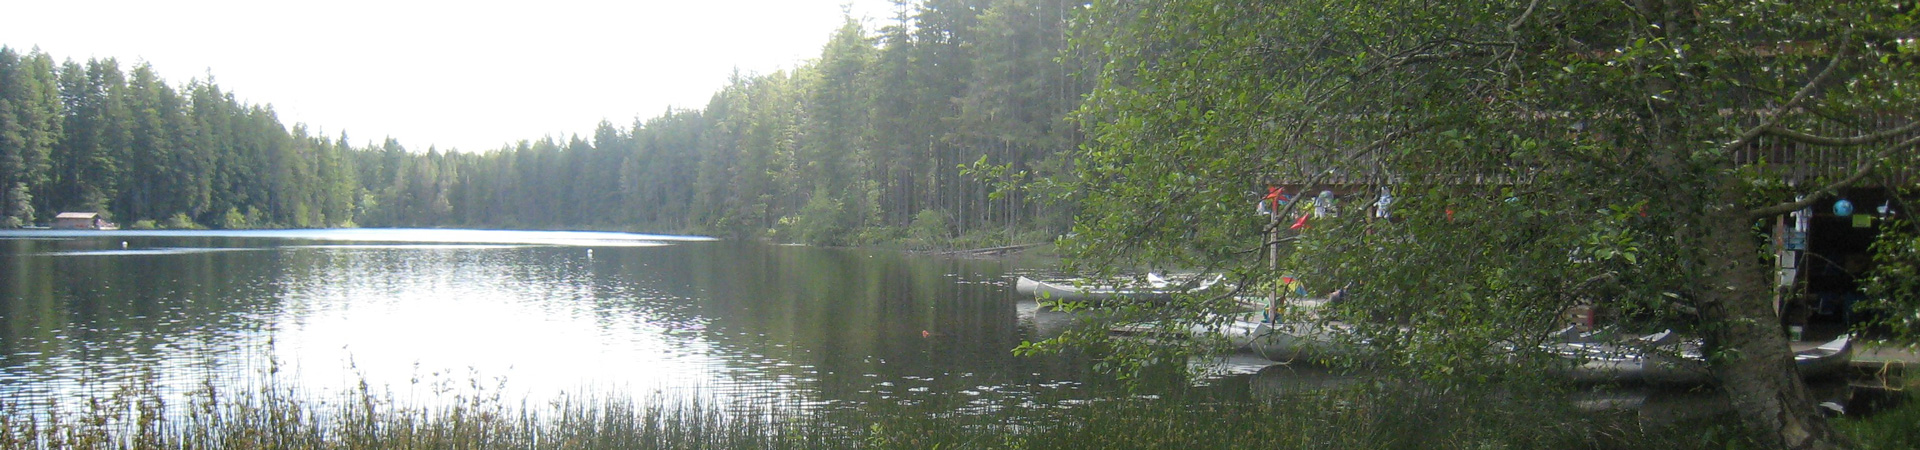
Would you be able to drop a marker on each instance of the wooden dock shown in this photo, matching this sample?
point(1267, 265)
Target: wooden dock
point(1874, 357)
point(990, 251)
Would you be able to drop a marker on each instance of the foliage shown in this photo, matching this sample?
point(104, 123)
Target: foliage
point(234, 220)
point(930, 229)
point(93, 137)
point(16, 207)
point(1892, 286)
point(823, 221)
point(1542, 154)
point(30, 125)
point(180, 221)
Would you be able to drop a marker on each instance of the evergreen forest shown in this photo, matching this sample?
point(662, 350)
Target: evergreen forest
point(917, 131)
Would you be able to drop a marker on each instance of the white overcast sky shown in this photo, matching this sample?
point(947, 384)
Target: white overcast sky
point(472, 75)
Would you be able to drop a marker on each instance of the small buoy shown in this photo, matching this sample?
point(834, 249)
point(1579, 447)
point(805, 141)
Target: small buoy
point(123, 244)
point(926, 334)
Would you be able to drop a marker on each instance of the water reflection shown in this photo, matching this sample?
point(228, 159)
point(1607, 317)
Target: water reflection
point(138, 252)
point(568, 238)
point(645, 315)
point(539, 319)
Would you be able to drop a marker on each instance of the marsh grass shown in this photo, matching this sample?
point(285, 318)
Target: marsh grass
point(1898, 428)
point(1895, 427)
point(139, 416)
point(1360, 418)
point(281, 417)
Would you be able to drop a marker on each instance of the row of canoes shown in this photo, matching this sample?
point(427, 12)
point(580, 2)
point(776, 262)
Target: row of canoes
point(1664, 358)
point(1660, 358)
point(1656, 359)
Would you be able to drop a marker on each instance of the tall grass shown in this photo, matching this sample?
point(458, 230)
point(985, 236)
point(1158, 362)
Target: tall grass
point(1374, 416)
point(278, 417)
point(1366, 417)
point(1895, 427)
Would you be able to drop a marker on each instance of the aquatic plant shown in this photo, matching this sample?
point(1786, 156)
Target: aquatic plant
point(1367, 415)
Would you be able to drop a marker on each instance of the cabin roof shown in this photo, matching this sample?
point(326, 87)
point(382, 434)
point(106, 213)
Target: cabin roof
point(77, 215)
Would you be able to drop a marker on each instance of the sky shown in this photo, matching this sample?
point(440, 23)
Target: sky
point(471, 75)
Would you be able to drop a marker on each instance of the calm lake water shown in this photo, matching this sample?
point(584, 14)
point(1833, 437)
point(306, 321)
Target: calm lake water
point(532, 314)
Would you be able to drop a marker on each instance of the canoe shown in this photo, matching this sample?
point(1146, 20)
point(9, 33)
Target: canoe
point(1291, 341)
point(1679, 362)
point(1045, 322)
point(1657, 359)
point(1832, 358)
point(1048, 291)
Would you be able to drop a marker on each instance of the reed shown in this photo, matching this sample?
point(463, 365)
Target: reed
point(1895, 424)
point(274, 416)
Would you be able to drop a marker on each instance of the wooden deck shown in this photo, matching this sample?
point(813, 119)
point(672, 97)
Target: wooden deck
point(1869, 357)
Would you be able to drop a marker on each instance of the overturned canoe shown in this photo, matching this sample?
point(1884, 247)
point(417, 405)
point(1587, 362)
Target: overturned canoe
point(1832, 358)
point(1672, 361)
point(1291, 342)
point(1046, 291)
point(1675, 362)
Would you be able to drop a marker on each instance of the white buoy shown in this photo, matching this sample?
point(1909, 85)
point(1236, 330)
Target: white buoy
point(123, 244)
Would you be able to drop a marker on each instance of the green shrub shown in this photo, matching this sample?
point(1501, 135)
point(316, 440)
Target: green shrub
point(180, 221)
point(880, 236)
point(822, 221)
point(234, 220)
point(931, 229)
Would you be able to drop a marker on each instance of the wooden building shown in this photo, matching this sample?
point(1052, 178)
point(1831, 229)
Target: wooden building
point(1820, 253)
point(81, 221)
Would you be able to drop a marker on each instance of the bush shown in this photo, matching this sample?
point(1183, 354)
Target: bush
point(821, 221)
point(234, 220)
point(930, 229)
point(180, 221)
point(880, 236)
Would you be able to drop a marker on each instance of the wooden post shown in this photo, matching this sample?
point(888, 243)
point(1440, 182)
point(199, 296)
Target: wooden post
point(1273, 265)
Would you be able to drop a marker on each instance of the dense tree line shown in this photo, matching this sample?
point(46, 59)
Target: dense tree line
point(1542, 156)
point(855, 146)
point(858, 145)
point(94, 137)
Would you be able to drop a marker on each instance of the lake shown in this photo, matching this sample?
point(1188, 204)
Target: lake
point(530, 315)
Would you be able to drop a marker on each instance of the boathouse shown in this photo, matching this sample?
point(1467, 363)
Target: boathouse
point(80, 221)
point(1821, 254)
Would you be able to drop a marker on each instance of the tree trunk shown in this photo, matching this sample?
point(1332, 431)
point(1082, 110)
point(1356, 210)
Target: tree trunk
point(1743, 341)
point(1750, 357)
